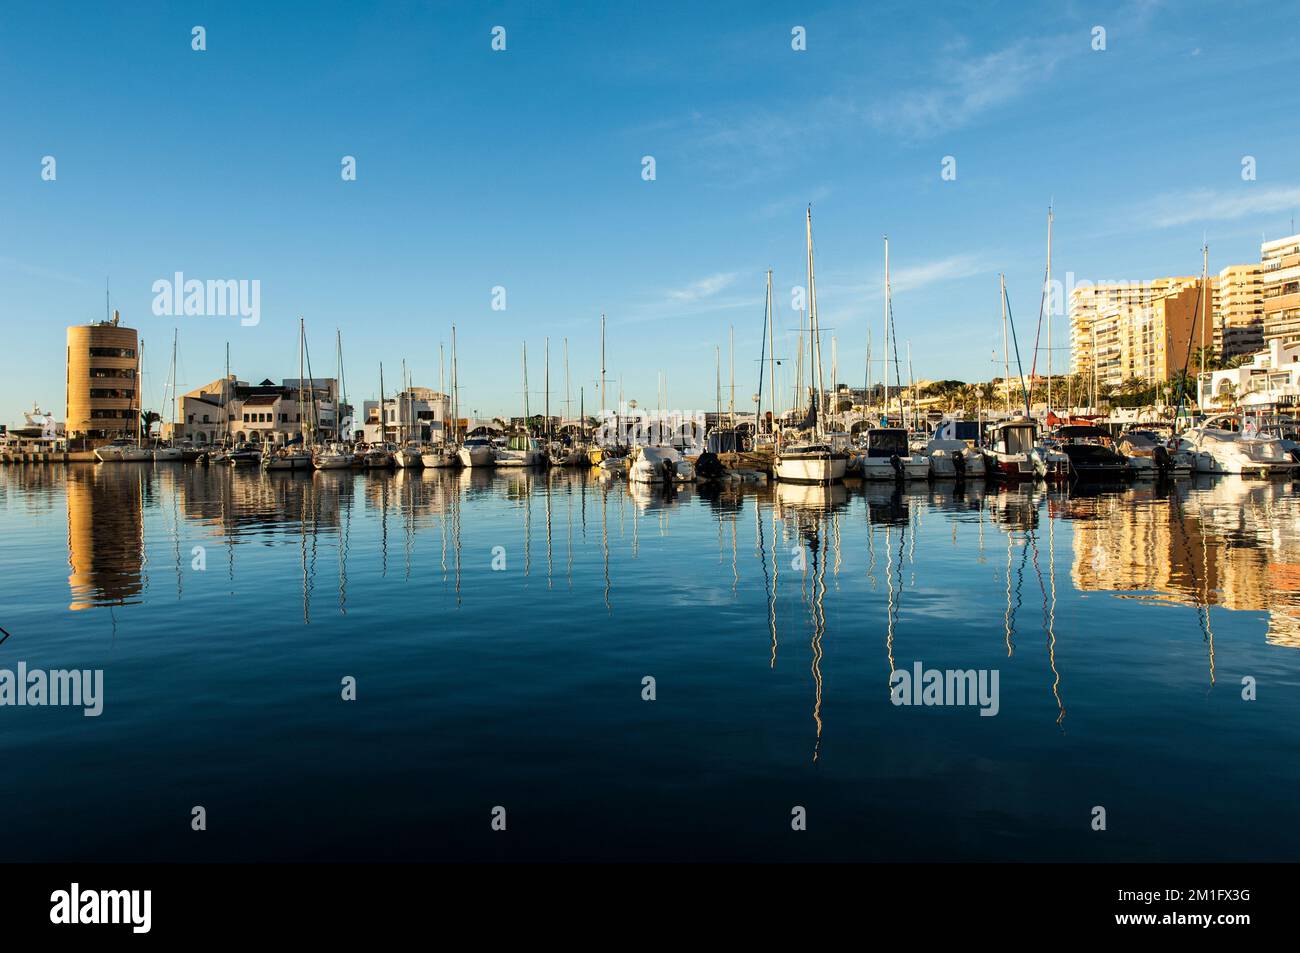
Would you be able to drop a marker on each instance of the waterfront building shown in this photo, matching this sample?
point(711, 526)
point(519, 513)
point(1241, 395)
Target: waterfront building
point(1270, 382)
point(1280, 274)
point(417, 413)
point(265, 413)
point(102, 387)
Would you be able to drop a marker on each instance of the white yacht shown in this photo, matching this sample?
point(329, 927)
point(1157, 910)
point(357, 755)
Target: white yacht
point(1228, 443)
point(477, 452)
point(887, 457)
point(659, 465)
point(953, 451)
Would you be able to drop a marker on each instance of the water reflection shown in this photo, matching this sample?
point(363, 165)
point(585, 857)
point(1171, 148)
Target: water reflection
point(1211, 544)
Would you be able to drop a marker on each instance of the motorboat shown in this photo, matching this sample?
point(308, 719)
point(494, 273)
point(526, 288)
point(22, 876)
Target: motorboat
point(477, 452)
point(953, 451)
point(168, 455)
point(1150, 455)
point(1013, 453)
point(521, 450)
point(886, 456)
point(659, 465)
point(1091, 454)
point(439, 456)
point(377, 457)
point(1226, 443)
point(333, 457)
point(285, 459)
point(809, 462)
point(244, 455)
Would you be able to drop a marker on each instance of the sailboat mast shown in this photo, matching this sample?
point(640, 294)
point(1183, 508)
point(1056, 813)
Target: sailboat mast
point(1006, 355)
point(717, 382)
point(546, 424)
point(383, 423)
point(731, 409)
point(568, 391)
point(526, 428)
point(175, 335)
point(1205, 266)
point(887, 337)
point(455, 389)
point(225, 422)
point(814, 331)
point(301, 433)
point(139, 394)
point(771, 353)
point(602, 362)
point(1050, 304)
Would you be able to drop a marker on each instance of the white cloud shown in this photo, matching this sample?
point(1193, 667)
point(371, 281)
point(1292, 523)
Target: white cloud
point(968, 88)
point(704, 288)
point(1210, 205)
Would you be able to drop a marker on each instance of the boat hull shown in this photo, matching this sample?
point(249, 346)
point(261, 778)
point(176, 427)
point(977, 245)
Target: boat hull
point(476, 456)
point(438, 459)
point(810, 467)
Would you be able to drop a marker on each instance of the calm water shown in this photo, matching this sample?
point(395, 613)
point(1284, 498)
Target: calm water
point(1121, 625)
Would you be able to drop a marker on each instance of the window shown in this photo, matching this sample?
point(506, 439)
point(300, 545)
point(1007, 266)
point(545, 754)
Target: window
point(205, 419)
point(112, 352)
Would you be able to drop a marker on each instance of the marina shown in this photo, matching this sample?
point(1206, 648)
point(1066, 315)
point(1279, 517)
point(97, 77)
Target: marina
point(499, 624)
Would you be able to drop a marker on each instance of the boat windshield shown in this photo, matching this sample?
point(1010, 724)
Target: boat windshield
point(1017, 439)
point(886, 442)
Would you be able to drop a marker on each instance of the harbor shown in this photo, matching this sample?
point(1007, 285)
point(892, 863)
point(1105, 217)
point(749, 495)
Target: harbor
point(499, 624)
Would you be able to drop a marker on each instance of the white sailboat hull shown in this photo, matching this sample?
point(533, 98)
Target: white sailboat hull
point(438, 458)
point(476, 456)
point(810, 468)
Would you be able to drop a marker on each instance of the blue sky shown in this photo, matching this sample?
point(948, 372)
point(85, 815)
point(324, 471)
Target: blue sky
point(523, 169)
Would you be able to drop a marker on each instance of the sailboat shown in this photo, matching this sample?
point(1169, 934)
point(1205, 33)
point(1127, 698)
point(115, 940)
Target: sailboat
point(811, 460)
point(888, 455)
point(173, 453)
point(408, 452)
point(299, 459)
point(522, 449)
point(338, 455)
point(123, 451)
point(442, 455)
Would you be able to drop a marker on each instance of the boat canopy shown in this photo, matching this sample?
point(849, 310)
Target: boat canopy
point(886, 442)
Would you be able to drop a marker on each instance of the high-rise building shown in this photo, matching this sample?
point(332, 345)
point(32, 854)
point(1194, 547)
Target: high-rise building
point(1098, 313)
point(1239, 317)
point(1280, 276)
point(103, 390)
point(1152, 341)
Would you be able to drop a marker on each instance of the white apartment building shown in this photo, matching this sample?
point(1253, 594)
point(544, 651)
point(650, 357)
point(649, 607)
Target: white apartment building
point(1269, 382)
point(417, 413)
